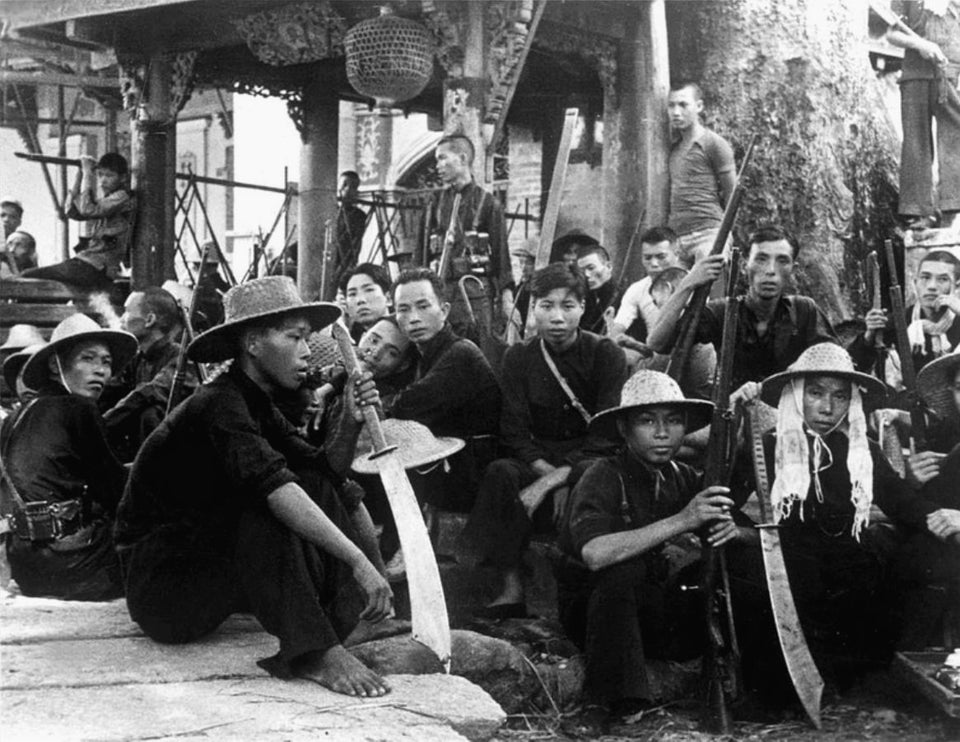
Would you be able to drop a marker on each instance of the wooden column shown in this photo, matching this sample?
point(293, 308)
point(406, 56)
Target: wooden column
point(636, 136)
point(464, 97)
point(318, 191)
point(154, 167)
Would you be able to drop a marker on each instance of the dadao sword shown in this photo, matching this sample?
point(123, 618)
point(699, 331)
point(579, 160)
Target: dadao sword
point(800, 665)
point(431, 627)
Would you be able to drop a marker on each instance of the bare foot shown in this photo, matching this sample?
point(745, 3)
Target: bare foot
point(341, 672)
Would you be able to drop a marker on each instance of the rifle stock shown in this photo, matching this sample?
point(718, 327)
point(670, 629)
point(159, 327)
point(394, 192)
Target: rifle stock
point(721, 666)
point(691, 315)
point(918, 422)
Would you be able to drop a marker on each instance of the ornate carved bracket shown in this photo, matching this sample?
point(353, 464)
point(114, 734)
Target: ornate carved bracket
point(508, 25)
point(134, 73)
point(294, 34)
point(601, 52)
point(444, 26)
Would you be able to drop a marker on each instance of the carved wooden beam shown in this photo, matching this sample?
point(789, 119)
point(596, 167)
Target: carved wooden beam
point(294, 34)
point(512, 26)
point(601, 52)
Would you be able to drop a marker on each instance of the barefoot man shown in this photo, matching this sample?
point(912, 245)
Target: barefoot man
point(228, 509)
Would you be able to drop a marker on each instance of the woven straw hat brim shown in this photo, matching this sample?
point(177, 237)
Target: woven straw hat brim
point(870, 386)
point(217, 343)
point(14, 362)
point(935, 383)
point(22, 336)
point(123, 346)
point(698, 414)
point(444, 448)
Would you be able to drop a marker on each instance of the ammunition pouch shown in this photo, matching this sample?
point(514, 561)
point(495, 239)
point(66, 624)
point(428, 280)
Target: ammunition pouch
point(45, 521)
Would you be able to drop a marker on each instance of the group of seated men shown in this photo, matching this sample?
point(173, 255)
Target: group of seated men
point(232, 505)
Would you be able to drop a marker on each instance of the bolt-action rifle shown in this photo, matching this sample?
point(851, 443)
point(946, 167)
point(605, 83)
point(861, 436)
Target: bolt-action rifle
point(918, 422)
point(180, 376)
point(691, 315)
point(721, 662)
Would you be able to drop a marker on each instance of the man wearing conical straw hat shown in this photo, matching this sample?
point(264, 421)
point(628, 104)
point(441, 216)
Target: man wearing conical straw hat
point(228, 508)
point(826, 477)
point(618, 594)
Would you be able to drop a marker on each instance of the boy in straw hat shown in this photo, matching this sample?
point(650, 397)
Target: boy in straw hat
point(826, 475)
point(228, 508)
point(617, 596)
point(61, 481)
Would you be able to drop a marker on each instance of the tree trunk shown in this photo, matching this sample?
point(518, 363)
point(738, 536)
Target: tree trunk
point(798, 74)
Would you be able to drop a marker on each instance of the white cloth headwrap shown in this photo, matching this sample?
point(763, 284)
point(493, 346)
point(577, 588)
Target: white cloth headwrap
point(937, 330)
point(793, 461)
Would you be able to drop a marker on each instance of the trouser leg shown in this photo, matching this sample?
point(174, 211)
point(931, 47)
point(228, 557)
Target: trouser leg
point(75, 272)
point(499, 528)
point(178, 587)
point(300, 594)
point(948, 149)
point(621, 606)
point(916, 156)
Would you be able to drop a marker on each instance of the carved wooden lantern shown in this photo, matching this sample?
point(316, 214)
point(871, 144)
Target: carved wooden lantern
point(389, 58)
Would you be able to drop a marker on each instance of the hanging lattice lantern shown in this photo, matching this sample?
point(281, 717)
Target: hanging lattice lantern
point(389, 58)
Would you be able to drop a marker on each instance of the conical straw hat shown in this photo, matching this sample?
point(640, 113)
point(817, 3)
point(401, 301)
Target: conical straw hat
point(935, 383)
point(822, 359)
point(416, 445)
point(122, 345)
point(20, 337)
point(261, 298)
point(649, 389)
point(15, 361)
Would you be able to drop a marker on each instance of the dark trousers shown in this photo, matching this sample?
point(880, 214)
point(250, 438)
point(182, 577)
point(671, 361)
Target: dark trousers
point(919, 105)
point(82, 566)
point(499, 528)
point(180, 587)
point(75, 272)
point(622, 615)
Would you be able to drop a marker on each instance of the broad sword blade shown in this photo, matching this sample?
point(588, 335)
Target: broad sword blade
point(803, 670)
point(428, 608)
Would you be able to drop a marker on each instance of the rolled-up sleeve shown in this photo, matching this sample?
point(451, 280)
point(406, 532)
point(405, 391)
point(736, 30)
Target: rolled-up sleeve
point(595, 504)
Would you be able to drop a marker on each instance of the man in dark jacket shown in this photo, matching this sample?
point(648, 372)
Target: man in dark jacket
point(543, 428)
point(228, 508)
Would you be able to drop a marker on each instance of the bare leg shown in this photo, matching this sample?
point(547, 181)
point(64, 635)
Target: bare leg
point(341, 672)
point(513, 590)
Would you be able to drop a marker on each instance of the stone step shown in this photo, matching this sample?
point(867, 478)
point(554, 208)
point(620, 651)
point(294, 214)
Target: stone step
point(419, 708)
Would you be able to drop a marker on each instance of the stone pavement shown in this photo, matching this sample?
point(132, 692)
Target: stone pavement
point(84, 671)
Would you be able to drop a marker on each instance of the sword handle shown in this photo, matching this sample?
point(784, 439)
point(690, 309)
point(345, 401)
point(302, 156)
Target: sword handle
point(350, 362)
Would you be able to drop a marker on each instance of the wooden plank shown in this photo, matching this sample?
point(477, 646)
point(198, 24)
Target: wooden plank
point(552, 213)
point(40, 291)
point(41, 315)
point(917, 668)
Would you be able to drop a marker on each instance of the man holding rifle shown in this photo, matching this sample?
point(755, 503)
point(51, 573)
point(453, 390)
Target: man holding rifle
point(774, 327)
point(619, 589)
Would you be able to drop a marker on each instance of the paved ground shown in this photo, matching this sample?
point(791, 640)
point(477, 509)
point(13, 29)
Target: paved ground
point(84, 671)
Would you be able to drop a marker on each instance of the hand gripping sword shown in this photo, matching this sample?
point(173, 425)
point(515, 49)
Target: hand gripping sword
point(431, 627)
point(803, 671)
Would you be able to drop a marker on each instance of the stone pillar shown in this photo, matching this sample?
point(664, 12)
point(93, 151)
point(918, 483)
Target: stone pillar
point(154, 169)
point(319, 131)
point(636, 136)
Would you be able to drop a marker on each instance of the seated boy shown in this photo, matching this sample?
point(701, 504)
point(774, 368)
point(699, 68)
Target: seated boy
point(618, 594)
point(100, 253)
point(543, 428)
